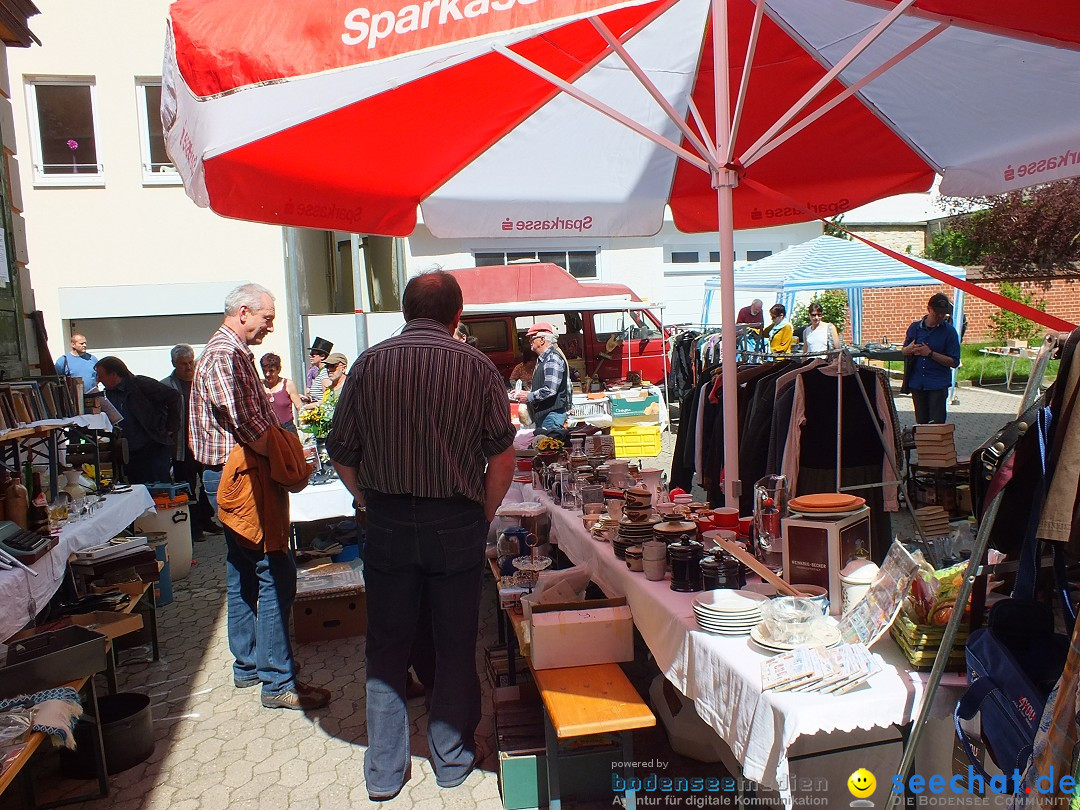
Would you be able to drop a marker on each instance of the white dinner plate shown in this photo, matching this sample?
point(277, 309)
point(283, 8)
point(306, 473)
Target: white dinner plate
point(120, 489)
point(713, 632)
point(727, 601)
point(750, 618)
point(825, 633)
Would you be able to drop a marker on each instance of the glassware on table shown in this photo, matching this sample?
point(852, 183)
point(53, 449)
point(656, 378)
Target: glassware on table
point(770, 507)
point(531, 566)
point(58, 513)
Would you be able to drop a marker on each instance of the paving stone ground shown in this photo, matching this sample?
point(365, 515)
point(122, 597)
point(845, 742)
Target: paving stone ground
point(218, 748)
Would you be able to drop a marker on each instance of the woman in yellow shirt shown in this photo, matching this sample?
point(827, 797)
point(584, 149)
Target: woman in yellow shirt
point(779, 332)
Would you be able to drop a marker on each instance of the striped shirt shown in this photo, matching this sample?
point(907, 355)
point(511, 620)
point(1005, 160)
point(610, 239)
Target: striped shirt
point(228, 403)
point(420, 414)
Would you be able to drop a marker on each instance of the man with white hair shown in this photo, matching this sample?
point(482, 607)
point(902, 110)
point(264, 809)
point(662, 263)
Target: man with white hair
point(229, 407)
point(550, 399)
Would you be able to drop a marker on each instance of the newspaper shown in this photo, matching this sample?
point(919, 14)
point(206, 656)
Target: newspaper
point(868, 620)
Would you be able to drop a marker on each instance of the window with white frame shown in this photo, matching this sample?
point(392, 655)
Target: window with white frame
point(157, 169)
point(63, 134)
point(579, 263)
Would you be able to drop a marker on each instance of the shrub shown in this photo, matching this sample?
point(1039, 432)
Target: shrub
point(1010, 326)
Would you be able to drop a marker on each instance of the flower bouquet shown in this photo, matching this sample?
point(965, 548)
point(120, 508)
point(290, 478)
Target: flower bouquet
point(316, 421)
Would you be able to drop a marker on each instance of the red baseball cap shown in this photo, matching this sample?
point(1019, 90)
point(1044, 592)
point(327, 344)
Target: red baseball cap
point(541, 326)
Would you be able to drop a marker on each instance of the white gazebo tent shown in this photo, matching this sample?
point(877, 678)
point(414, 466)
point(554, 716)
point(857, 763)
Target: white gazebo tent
point(830, 263)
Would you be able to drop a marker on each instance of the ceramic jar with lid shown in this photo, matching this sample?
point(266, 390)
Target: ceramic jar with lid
point(721, 570)
point(684, 557)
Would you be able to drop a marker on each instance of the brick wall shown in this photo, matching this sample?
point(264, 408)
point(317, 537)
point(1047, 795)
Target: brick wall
point(887, 313)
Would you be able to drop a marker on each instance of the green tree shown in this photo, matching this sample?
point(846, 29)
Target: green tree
point(1022, 233)
point(834, 305)
point(1010, 326)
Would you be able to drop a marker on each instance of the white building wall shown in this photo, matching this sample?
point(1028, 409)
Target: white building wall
point(142, 240)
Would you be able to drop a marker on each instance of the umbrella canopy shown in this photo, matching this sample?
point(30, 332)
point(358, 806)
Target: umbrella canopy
point(557, 118)
point(830, 263)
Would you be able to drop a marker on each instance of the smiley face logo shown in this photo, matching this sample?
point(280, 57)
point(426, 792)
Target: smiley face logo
point(862, 784)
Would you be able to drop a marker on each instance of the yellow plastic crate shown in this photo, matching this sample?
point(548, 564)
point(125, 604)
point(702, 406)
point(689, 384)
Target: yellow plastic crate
point(633, 441)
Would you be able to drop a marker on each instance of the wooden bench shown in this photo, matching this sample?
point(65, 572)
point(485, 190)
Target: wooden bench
point(579, 701)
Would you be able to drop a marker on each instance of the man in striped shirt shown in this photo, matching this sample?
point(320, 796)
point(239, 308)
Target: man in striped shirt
point(422, 435)
point(229, 406)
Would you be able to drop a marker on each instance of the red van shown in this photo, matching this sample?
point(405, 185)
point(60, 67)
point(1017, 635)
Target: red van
point(604, 329)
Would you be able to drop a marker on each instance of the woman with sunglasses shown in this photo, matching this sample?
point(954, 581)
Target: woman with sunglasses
point(819, 336)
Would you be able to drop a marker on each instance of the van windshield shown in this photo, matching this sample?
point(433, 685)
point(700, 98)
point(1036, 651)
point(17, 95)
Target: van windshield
point(631, 325)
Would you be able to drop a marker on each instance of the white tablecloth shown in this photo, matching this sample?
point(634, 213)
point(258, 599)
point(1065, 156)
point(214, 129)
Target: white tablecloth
point(723, 675)
point(320, 501)
point(23, 595)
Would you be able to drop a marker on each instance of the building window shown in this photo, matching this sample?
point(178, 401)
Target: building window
point(754, 255)
point(64, 139)
point(684, 256)
point(157, 169)
point(578, 263)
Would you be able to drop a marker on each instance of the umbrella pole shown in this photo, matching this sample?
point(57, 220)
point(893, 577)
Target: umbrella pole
point(724, 180)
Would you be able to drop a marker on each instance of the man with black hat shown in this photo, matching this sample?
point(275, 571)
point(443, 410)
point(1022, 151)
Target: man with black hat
point(319, 351)
point(550, 399)
point(933, 351)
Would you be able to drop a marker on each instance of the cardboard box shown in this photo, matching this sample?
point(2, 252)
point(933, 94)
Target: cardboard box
point(330, 603)
point(574, 634)
point(817, 549)
point(639, 410)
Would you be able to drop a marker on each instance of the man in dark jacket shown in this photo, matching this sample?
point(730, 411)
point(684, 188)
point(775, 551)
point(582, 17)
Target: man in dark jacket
point(151, 419)
point(185, 467)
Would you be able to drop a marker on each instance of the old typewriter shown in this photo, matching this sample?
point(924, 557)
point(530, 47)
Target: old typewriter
point(24, 546)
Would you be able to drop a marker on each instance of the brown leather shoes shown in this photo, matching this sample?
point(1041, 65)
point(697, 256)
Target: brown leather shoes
point(304, 698)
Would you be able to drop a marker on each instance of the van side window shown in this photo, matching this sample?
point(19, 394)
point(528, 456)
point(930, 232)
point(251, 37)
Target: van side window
point(491, 336)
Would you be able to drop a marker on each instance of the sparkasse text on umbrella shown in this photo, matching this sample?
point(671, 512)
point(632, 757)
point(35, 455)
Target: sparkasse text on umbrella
point(415, 17)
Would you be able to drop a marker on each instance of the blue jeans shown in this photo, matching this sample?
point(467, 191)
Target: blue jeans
point(260, 589)
point(419, 547)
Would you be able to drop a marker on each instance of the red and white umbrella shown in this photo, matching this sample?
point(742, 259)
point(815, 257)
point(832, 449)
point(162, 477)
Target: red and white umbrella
point(555, 118)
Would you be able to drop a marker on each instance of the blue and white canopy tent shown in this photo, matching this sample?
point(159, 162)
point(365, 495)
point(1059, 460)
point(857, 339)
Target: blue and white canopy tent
point(829, 263)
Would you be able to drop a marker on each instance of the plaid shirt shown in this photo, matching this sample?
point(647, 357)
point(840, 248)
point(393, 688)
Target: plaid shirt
point(228, 404)
point(556, 375)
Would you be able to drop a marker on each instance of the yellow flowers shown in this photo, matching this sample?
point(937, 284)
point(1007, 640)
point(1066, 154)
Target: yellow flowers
point(546, 444)
point(317, 421)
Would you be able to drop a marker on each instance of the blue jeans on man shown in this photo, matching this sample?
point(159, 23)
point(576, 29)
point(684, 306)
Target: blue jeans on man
point(260, 589)
point(416, 547)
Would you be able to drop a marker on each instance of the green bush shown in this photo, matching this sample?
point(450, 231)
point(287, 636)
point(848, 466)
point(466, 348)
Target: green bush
point(954, 247)
point(1010, 326)
point(834, 306)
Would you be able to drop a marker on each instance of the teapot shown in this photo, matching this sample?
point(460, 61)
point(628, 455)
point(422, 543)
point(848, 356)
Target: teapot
point(515, 541)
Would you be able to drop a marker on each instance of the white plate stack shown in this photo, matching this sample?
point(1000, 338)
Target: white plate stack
point(727, 612)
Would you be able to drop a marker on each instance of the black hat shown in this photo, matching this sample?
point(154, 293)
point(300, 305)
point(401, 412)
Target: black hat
point(321, 346)
point(939, 302)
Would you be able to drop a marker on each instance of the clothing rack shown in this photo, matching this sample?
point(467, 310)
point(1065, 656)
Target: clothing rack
point(974, 570)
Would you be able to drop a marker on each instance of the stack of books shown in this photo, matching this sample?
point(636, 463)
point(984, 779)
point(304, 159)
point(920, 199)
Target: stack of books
point(24, 402)
point(933, 520)
point(935, 445)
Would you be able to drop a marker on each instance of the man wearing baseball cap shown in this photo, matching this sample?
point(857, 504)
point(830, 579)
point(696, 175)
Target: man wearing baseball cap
point(932, 348)
point(550, 399)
